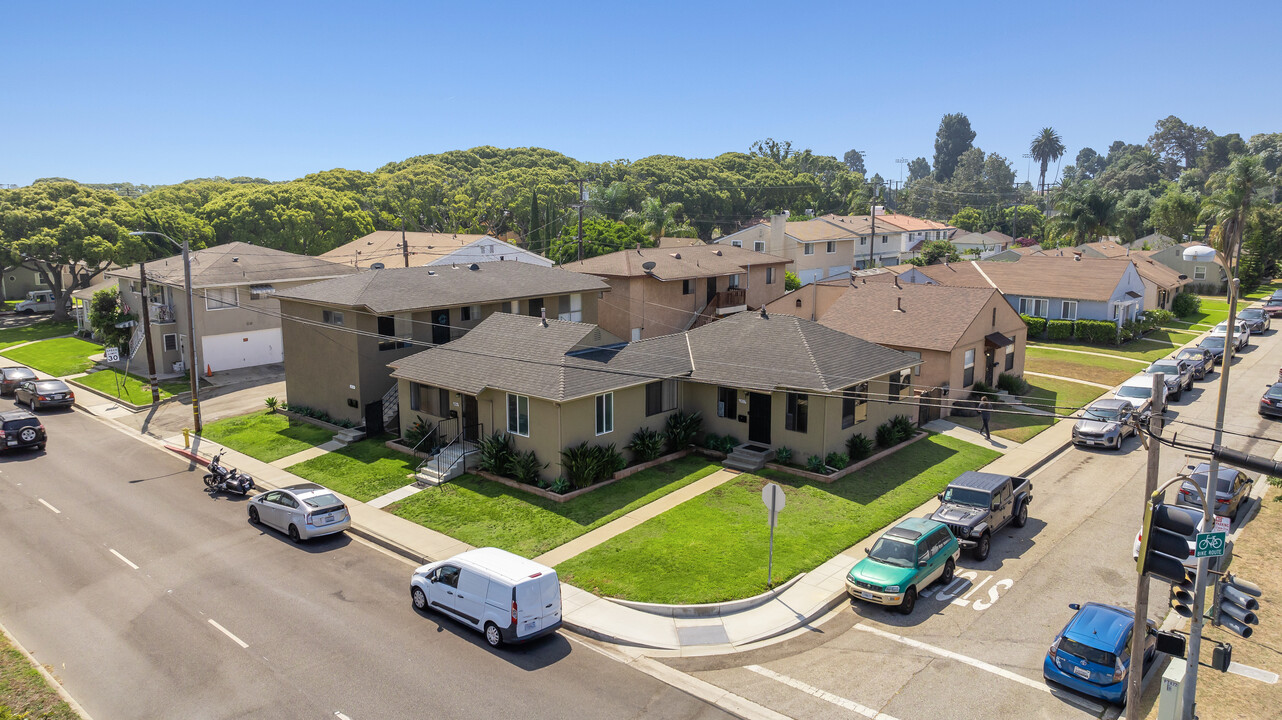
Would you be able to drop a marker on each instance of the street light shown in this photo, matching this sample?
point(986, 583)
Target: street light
point(191, 324)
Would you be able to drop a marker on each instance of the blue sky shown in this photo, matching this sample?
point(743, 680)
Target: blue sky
point(161, 92)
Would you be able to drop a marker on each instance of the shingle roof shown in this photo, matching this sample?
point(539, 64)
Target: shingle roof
point(416, 288)
point(1155, 272)
point(676, 242)
point(910, 223)
point(1055, 276)
point(818, 230)
point(237, 263)
point(675, 263)
point(1108, 248)
point(385, 246)
point(933, 317)
point(861, 224)
point(998, 235)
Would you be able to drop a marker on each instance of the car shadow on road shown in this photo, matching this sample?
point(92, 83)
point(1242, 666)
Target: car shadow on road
point(315, 546)
point(534, 655)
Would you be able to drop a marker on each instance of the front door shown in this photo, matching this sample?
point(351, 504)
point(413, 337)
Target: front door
point(759, 418)
point(989, 364)
point(440, 327)
point(712, 289)
point(471, 430)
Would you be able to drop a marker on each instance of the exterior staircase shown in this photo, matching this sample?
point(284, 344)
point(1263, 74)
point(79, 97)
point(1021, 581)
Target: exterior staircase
point(446, 465)
point(749, 457)
point(391, 407)
point(136, 341)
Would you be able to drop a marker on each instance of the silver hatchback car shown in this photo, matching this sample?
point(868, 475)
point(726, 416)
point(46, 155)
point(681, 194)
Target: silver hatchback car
point(303, 511)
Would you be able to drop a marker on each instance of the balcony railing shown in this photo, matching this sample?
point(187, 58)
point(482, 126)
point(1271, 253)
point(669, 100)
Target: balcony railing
point(162, 314)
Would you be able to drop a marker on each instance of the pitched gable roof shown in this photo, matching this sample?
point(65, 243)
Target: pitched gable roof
point(385, 246)
point(932, 317)
point(818, 230)
point(236, 263)
point(1108, 248)
point(861, 224)
point(1058, 276)
point(675, 263)
point(1155, 272)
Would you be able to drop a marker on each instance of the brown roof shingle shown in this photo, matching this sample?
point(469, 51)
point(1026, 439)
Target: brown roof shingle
point(385, 246)
point(675, 263)
point(237, 263)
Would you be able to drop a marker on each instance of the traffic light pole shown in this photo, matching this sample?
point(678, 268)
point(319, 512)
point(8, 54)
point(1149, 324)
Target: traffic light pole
point(1134, 677)
point(1189, 688)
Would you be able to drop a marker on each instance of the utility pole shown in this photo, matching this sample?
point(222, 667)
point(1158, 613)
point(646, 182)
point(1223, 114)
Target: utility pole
point(582, 201)
point(872, 215)
point(1133, 679)
point(405, 247)
point(146, 333)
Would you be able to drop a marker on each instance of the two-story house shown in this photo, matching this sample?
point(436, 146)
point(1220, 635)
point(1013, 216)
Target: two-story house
point(660, 291)
point(395, 248)
point(340, 335)
point(237, 315)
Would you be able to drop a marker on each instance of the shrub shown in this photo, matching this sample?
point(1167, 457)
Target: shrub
point(1099, 332)
point(416, 433)
point(525, 467)
point(272, 403)
point(680, 430)
point(1012, 384)
point(1186, 304)
point(904, 427)
point(1036, 325)
point(836, 460)
point(783, 455)
point(712, 441)
point(858, 447)
point(1157, 318)
point(495, 452)
point(727, 444)
point(982, 389)
point(560, 486)
point(886, 435)
point(815, 464)
point(1059, 329)
point(646, 445)
point(586, 464)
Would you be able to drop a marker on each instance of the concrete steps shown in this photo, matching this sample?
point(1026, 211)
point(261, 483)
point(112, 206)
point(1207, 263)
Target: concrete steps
point(349, 436)
point(453, 458)
point(749, 457)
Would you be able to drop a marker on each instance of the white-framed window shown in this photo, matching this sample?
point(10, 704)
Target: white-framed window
point(759, 246)
point(636, 334)
point(36, 277)
point(968, 369)
point(605, 413)
point(863, 240)
point(770, 276)
point(331, 317)
point(1199, 272)
point(1069, 310)
point(916, 356)
point(1036, 307)
point(171, 342)
point(1010, 354)
point(884, 238)
point(220, 298)
point(570, 307)
point(831, 248)
point(518, 415)
point(687, 287)
point(736, 243)
point(732, 282)
point(810, 249)
point(854, 405)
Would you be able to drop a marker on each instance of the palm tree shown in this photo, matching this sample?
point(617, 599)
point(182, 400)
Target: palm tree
point(1047, 146)
point(1229, 204)
point(655, 218)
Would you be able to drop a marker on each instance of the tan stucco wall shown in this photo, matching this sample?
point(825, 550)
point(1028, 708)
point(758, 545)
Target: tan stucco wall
point(821, 259)
point(661, 308)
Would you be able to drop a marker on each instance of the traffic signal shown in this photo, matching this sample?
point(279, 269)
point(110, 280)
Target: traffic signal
point(1182, 595)
point(1164, 542)
point(1233, 605)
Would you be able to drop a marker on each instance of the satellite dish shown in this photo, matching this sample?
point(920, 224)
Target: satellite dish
point(648, 266)
point(377, 266)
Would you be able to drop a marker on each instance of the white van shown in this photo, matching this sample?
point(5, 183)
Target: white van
point(509, 598)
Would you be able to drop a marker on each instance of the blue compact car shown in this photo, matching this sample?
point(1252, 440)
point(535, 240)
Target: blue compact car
point(1092, 654)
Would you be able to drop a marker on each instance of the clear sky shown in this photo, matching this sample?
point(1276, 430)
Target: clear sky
point(160, 92)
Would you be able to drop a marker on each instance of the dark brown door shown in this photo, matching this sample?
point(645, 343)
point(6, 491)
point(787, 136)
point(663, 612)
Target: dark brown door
point(989, 364)
point(471, 430)
point(759, 418)
point(712, 289)
point(440, 327)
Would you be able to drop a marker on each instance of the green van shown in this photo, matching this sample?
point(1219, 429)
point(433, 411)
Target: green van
point(909, 556)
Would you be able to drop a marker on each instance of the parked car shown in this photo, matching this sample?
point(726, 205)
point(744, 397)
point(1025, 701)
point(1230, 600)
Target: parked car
point(302, 511)
point(1273, 305)
point(37, 301)
point(507, 597)
point(1271, 403)
point(1178, 376)
point(1215, 346)
point(21, 429)
point(1092, 654)
point(1201, 358)
point(1138, 391)
point(975, 505)
point(911, 555)
point(11, 376)
point(1232, 491)
point(1241, 334)
point(1199, 523)
point(1106, 423)
point(39, 394)
point(1256, 319)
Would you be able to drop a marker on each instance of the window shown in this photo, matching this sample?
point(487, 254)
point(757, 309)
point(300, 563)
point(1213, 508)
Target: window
point(726, 400)
point(416, 401)
point(220, 298)
point(733, 282)
point(810, 249)
point(387, 327)
point(863, 240)
point(736, 243)
point(518, 415)
point(759, 246)
point(854, 405)
point(605, 413)
point(832, 247)
point(171, 342)
point(536, 307)
point(915, 356)
point(884, 238)
point(899, 381)
point(770, 276)
point(1010, 354)
point(431, 400)
point(332, 317)
point(636, 334)
point(660, 397)
point(1199, 272)
point(687, 287)
point(797, 417)
point(1069, 310)
point(258, 292)
point(994, 316)
point(465, 313)
point(968, 369)
point(1036, 307)
point(571, 308)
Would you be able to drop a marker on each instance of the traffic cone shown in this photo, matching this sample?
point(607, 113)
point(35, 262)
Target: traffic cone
point(209, 371)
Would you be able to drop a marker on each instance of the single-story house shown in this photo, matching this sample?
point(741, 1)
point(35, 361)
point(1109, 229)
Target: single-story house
point(1014, 252)
point(386, 248)
point(979, 243)
point(776, 380)
point(1161, 283)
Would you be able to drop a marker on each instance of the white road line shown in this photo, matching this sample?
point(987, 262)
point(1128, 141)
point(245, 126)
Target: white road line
point(42, 502)
point(123, 559)
point(1002, 672)
point(227, 632)
point(821, 694)
point(341, 716)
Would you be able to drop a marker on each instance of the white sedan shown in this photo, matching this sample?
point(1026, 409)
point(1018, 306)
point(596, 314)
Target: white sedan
point(302, 511)
point(1241, 333)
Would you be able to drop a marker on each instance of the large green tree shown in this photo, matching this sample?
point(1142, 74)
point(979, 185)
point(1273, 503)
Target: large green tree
point(855, 162)
point(1175, 212)
point(953, 138)
point(1086, 211)
point(1177, 143)
point(968, 219)
point(1228, 206)
point(600, 236)
point(294, 217)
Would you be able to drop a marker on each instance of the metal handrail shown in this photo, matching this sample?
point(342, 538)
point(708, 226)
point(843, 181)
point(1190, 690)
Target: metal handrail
point(437, 432)
point(465, 445)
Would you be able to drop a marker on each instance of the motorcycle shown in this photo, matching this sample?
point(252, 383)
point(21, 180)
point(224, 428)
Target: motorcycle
point(221, 479)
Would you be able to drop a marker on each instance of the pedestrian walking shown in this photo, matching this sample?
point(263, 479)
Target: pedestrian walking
point(985, 414)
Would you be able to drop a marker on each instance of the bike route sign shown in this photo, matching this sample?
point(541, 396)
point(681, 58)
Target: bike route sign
point(1210, 544)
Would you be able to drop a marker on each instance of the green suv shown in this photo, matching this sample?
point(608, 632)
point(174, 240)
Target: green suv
point(911, 555)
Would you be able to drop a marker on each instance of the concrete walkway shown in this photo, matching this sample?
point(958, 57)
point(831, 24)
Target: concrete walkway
point(395, 496)
point(1088, 352)
point(1069, 379)
point(618, 526)
point(308, 454)
point(970, 435)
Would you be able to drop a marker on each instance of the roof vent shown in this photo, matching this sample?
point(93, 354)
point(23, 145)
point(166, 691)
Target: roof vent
point(377, 266)
point(648, 266)
point(431, 272)
point(543, 316)
point(676, 255)
point(1077, 257)
point(369, 242)
point(718, 252)
point(235, 259)
point(897, 283)
point(764, 316)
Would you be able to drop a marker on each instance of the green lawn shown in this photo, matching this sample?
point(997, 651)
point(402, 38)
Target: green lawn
point(57, 357)
point(484, 513)
point(1048, 394)
point(713, 547)
point(266, 436)
point(133, 389)
point(1107, 370)
point(41, 330)
point(363, 470)
point(1166, 343)
point(24, 693)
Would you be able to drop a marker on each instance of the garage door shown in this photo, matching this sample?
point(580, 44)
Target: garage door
point(808, 276)
point(238, 350)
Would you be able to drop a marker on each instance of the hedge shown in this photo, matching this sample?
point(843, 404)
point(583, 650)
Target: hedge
point(1059, 329)
point(1036, 325)
point(1100, 332)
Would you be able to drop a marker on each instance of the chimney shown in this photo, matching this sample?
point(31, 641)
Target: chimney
point(778, 223)
point(543, 316)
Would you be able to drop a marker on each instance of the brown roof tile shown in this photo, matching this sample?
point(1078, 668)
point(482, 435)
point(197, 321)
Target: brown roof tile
point(237, 263)
point(675, 263)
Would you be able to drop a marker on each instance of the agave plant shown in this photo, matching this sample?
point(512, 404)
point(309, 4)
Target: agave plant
point(495, 452)
point(904, 428)
point(681, 429)
point(646, 445)
point(858, 447)
point(525, 467)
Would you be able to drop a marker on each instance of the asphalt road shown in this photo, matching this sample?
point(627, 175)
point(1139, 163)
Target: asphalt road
point(978, 650)
point(327, 627)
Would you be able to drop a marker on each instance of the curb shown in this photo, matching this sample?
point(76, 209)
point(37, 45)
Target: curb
point(48, 676)
point(708, 609)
